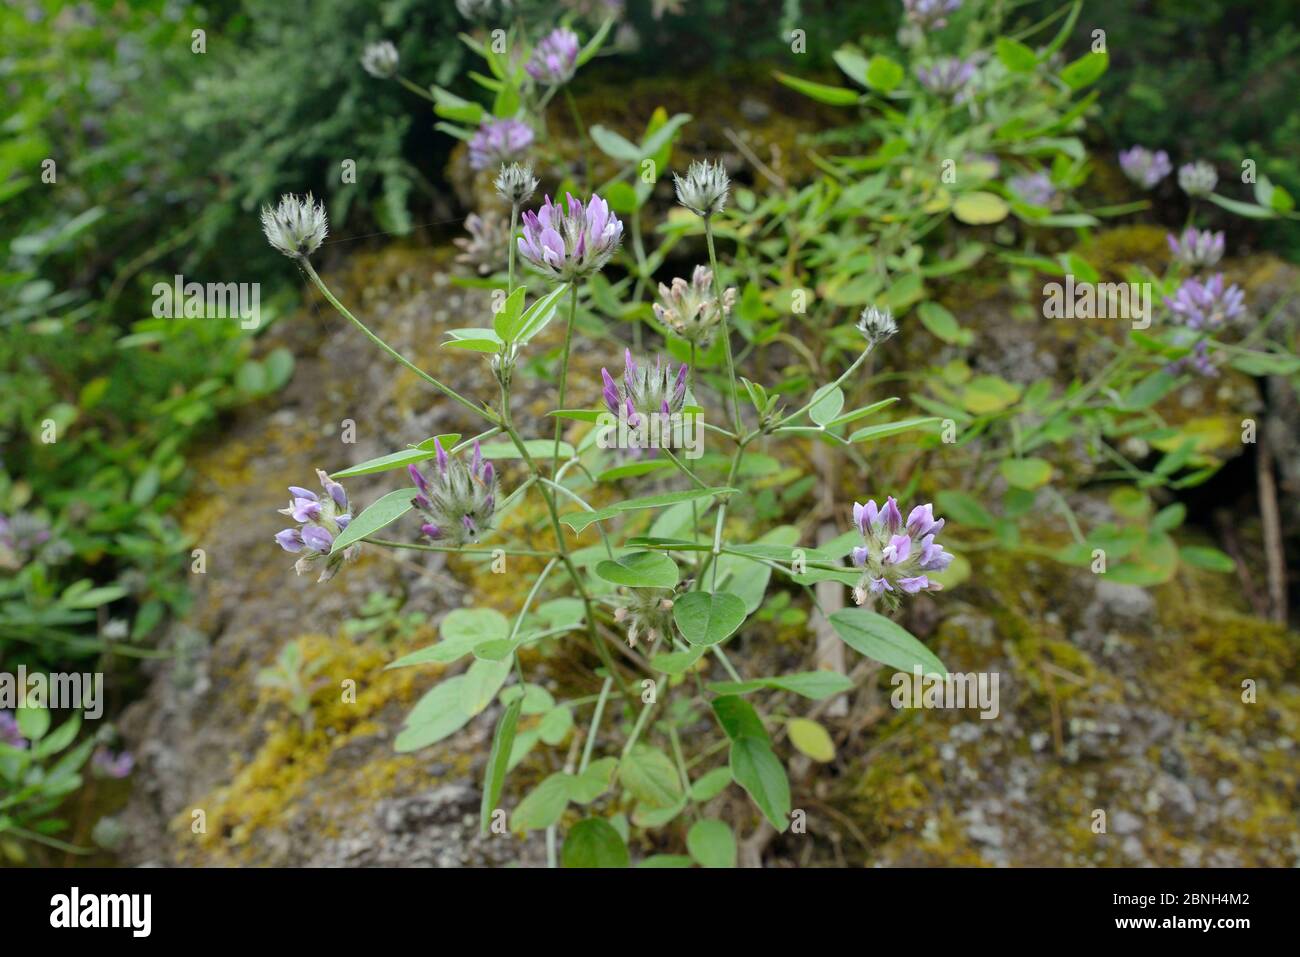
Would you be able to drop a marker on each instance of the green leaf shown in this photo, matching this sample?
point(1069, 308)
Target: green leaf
point(738, 718)
point(594, 843)
point(710, 785)
point(964, 509)
point(379, 514)
point(494, 775)
point(32, 722)
point(756, 769)
point(880, 639)
point(1015, 56)
point(706, 618)
point(821, 92)
point(677, 662)
point(1169, 518)
point(873, 432)
point(580, 520)
point(592, 46)
point(399, 460)
point(537, 448)
point(826, 405)
point(1249, 210)
point(651, 777)
point(543, 805)
point(1085, 70)
point(1027, 473)
point(506, 320)
point(811, 739)
point(435, 716)
point(817, 685)
point(482, 682)
point(1211, 559)
point(884, 74)
point(614, 145)
point(640, 570)
point(537, 316)
point(943, 324)
point(980, 208)
point(711, 844)
point(665, 860)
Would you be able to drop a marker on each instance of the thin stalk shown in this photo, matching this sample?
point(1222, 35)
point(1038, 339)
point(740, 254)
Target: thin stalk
point(564, 375)
point(589, 746)
point(726, 333)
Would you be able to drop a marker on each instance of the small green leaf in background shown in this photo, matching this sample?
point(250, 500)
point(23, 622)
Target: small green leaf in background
point(1015, 56)
point(980, 208)
point(1028, 473)
point(594, 843)
point(811, 738)
point(494, 776)
point(711, 844)
point(640, 570)
point(883, 640)
point(1211, 559)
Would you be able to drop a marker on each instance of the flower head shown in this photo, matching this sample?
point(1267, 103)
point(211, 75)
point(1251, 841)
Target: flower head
point(515, 183)
point(1197, 361)
point(876, 325)
point(704, 189)
point(1145, 167)
point(22, 536)
point(570, 240)
point(691, 309)
point(9, 733)
point(499, 141)
point(320, 520)
point(1207, 305)
point(1198, 248)
point(106, 764)
point(1036, 189)
point(929, 14)
point(895, 555)
point(483, 9)
point(1197, 179)
point(646, 389)
point(296, 227)
point(380, 59)
point(646, 613)
point(555, 57)
point(488, 242)
point(458, 502)
point(948, 76)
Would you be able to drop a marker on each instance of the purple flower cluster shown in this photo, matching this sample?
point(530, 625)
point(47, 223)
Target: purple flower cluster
point(1207, 305)
point(106, 764)
point(570, 241)
point(647, 390)
point(1036, 189)
point(457, 505)
point(929, 14)
point(555, 57)
point(1145, 167)
point(9, 733)
point(21, 536)
point(1198, 361)
point(1198, 248)
point(947, 77)
point(896, 555)
point(499, 141)
point(320, 522)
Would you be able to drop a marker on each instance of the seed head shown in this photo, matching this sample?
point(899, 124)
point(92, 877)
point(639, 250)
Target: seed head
point(296, 227)
point(704, 189)
point(1197, 179)
point(380, 60)
point(515, 183)
point(877, 325)
point(691, 309)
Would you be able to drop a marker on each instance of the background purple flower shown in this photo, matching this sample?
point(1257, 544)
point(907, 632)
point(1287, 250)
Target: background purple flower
point(569, 241)
point(1197, 248)
point(110, 765)
point(947, 77)
point(896, 556)
point(1036, 189)
point(929, 14)
point(1207, 305)
point(499, 141)
point(1145, 167)
point(555, 57)
point(9, 733)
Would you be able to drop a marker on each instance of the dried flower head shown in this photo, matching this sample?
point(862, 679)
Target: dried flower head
point(320, 521)
point(876, 325)
point(704, 189)
point(499, 141)
point(896, 555)
point(380, 59)
point(555, 57)
point(459, 501)
point(1207, 305)
point(296, 227)
point(1145, 167)
point(647, 613)
point(1197, 179)
point(691, 309)
point(570, 240)
point(486, 246)
point(1198, 248)
point(515, 183)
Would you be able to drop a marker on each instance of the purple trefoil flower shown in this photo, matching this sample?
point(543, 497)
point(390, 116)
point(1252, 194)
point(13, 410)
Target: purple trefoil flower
point(109, 765)
point(1144, 167)
point(1207, 305)
point(458, 502)
point(896, 556)
point(555, 57)
point(570, 240)
point(320, 518)
point(690, 309)
point(948, 76)
point(929, 14)
point(643, 393)
point(1036, 189)
point(1198, 248)
point(499, 141)
point(9, 733)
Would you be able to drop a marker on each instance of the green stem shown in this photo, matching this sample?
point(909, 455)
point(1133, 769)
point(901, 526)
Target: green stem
point(595, 725)
point(415, 88)
point(726, 333)
point(510, 273)
point(564, 374)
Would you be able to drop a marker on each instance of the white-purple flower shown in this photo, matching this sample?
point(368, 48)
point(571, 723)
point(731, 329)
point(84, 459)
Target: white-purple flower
point(929, 14)
point(948, 76)
point(555, 57)
point(1197, 361)
point(1198, 248)
point(1207, 305)
point(1197, 179)
point(457, 504)
point(896, 556)
point(1144, 167)
point(570, 240)
point(106, 764)
point(690, 309)
point(1036, 189)
point(499, 141)
point(320, 520)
